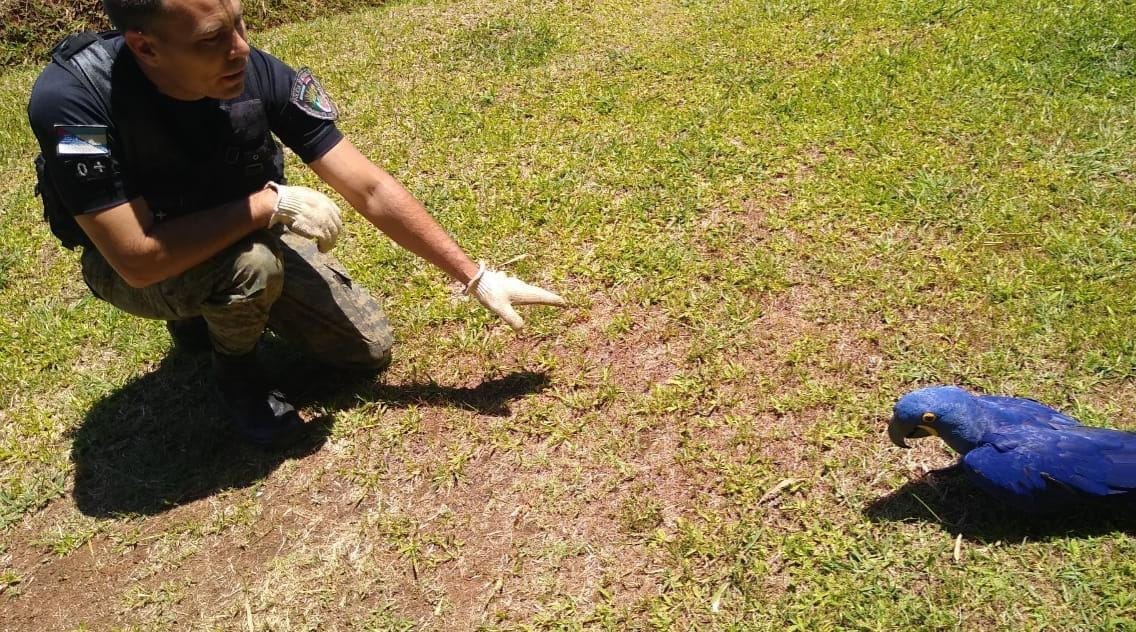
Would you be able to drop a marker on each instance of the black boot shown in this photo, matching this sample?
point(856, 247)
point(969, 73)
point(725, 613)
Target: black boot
point(190, 334)
point(261, 416)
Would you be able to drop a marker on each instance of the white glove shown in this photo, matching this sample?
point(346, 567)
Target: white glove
point(307, 213)
point(498, 292)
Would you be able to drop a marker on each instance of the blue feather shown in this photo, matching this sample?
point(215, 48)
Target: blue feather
point(1029, 410)
point(1020, 450)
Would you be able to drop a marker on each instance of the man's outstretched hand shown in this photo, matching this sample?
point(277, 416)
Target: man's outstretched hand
point(307, 213)
point(499, 292)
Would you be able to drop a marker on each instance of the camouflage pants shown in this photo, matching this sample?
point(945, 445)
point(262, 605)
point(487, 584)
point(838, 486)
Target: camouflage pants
point(270, 279)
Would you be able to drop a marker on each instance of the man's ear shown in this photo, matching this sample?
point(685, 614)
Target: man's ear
point(142, 45)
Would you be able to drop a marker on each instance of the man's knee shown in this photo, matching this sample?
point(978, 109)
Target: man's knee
point(373, 350)
point(365, 343)
point(377, 357)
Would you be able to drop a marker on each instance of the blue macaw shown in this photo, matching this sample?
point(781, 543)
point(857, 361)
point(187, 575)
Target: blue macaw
point(1019, 450)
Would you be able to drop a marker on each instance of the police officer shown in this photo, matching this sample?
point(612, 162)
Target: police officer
point(158, 158)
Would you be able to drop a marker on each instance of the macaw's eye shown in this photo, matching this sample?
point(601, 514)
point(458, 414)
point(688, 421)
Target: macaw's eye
point(929, 418)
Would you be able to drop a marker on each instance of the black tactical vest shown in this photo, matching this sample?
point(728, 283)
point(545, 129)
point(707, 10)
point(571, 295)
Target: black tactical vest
point(174, 177)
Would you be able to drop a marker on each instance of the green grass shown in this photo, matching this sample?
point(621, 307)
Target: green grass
point(772, 219)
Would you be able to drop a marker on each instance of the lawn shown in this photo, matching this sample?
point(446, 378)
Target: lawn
point(771, 218)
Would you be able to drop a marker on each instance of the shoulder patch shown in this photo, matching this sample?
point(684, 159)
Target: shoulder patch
point(81, 140)
point(309, 96)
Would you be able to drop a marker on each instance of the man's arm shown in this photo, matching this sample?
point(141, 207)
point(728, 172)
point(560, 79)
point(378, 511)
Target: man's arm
point(144, 252)
point(392, 209)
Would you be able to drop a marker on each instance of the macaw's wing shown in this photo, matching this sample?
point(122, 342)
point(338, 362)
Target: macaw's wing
point(1035, 466)
point(1012, 475)
point(1029, 411)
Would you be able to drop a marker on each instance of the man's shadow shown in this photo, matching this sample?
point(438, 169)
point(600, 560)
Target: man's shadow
point(163, 440)
point(949, 498)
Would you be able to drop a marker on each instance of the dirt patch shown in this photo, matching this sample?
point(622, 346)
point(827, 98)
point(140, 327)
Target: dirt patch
point(644, 355)
point(473, 513)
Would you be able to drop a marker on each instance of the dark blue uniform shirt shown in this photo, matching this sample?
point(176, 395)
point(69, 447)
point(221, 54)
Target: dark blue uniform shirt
point(181, 156)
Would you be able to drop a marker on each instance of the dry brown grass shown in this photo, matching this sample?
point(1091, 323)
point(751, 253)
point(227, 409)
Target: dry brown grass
point(29, 29)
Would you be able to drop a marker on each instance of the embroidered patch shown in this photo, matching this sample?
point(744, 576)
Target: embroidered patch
point(81, 140)
point(309, 96)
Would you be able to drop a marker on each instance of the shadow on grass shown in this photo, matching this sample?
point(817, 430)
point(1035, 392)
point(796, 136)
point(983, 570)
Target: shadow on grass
point(949, 498)
point(338, 390)
point(163, 439)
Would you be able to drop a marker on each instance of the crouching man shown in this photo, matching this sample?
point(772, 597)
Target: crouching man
point(158, 160)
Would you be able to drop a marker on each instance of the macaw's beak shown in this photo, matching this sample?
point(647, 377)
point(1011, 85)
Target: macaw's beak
point(898, 431)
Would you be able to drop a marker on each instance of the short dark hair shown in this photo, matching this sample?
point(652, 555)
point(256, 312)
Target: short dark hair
point(128, 15)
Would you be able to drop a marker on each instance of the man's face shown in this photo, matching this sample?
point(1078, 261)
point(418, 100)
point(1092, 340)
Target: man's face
point(197, 48)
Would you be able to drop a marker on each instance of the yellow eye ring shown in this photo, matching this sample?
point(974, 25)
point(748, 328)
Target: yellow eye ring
point(929, 418)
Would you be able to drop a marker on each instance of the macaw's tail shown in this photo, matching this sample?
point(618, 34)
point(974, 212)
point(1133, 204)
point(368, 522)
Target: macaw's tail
point(1102, 462)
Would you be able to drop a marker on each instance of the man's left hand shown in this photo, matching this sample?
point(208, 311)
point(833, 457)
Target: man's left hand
point(308, 213)
point(499, 292)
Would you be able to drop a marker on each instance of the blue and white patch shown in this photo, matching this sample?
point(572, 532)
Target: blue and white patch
point(81, 140)
point(309, 96)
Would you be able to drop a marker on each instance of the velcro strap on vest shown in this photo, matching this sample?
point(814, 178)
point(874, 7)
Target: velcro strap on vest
point(87, 56)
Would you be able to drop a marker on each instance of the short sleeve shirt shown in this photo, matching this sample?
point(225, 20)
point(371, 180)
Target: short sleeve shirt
point(82, 144)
